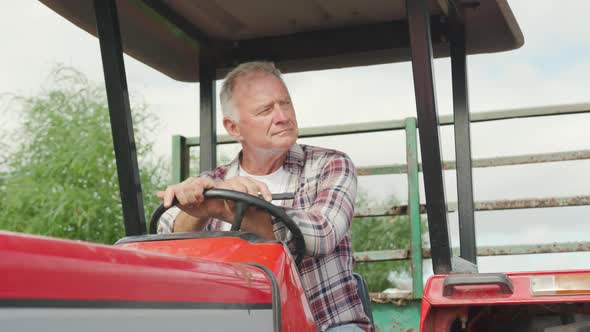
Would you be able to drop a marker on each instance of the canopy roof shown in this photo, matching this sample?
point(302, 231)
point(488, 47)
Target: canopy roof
point(297, 35)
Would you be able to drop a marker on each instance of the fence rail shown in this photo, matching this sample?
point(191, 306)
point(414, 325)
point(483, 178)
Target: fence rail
point(508, 204)
point(484, 251)
point(484, 162)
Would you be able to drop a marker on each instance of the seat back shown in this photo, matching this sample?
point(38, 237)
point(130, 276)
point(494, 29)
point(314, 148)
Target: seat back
point(363, 291)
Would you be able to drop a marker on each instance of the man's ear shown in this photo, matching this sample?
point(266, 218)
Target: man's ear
point(232, 129)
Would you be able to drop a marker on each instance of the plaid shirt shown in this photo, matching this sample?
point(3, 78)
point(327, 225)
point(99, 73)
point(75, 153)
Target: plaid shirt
point(324, 182)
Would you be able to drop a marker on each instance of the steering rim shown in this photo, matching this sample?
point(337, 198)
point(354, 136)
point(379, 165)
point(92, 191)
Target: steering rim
point(243, 202)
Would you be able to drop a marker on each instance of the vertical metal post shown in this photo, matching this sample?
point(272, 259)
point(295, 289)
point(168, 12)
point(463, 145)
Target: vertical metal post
point(414, 206)
point(208, 130)
point(462, 140)
point(421, 50)
point(111, 50)
point(180, 159)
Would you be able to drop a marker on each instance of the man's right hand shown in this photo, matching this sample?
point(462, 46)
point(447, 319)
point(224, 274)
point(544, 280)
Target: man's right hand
point(191, 199)
point(189, 194)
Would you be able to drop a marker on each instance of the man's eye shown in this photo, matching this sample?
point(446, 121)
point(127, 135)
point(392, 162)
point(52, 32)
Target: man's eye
point(266, 109)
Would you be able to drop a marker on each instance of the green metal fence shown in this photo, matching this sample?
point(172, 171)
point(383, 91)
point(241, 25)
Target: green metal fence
point(391, 312)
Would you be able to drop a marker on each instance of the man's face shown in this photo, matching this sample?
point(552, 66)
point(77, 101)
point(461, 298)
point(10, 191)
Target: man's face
point(267, 118)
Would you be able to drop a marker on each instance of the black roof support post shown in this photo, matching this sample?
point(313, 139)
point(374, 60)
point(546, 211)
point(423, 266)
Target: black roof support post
point(107, 23)
point(422, 68)
point(462, 137)
point(207, 89)
point(208, 131)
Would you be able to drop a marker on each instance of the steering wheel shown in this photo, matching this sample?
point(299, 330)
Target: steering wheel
point(242, 202)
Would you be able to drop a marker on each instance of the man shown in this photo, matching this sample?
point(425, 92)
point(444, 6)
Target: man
point(258, 113)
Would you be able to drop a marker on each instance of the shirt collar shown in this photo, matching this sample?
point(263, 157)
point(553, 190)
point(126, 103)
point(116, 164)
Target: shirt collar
point(294, 158)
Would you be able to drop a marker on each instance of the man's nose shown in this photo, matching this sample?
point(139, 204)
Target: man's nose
point(279, 114)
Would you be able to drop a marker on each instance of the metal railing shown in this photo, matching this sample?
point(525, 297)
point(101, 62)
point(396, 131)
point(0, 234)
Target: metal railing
point(415, 253)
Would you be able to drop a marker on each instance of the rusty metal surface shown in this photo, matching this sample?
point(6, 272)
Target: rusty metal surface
point(509, 204)
point(394, 210)
point(399, 297)
point(413, 213)
point(381, 255)
point(531, 203)
point(485, 162)
point(528, 159)
point(396, 315)
point(550, 248)
point(520, 113)
point(383, 169)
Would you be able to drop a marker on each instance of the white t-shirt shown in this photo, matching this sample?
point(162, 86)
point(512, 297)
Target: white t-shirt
point(277, 182)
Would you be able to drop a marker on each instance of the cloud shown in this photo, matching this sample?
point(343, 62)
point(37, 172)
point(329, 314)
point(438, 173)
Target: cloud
point(551, 26)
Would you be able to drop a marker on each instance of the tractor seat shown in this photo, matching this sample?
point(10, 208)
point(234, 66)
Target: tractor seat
point(363, 290)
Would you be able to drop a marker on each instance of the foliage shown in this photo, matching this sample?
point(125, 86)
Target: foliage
point(60, 179)
point(379, 233)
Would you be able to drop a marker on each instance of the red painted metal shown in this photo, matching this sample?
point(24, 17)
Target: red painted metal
point(45, 268)
point(33, 267)
point(439, 310)
point(489, 294)
point(442, 318)
point(296, 312)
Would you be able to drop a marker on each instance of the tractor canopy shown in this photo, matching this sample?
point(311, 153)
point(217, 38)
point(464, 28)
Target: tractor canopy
point(296, 35)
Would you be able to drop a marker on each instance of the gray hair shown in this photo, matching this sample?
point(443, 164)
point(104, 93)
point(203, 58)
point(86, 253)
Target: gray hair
point(231, 79)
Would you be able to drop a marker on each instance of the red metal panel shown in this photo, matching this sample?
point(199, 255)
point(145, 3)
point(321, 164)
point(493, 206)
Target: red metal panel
point(296, 313)
point(489, 294)
point(439, 311)
point(44, 268)
point(192, 270)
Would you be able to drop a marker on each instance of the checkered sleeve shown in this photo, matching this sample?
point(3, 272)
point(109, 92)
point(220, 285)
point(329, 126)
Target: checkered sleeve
point(166, 221)
point(328, 218)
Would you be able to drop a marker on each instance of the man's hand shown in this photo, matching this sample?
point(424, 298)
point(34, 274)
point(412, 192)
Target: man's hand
point(246, 185)
point(191, 199)
point(255, 221)
point(189, 194)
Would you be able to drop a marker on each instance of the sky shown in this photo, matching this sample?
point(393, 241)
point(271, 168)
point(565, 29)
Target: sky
point(552, 68)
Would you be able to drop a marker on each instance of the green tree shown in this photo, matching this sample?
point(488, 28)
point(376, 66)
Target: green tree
point(379, 233)
point(59, 174)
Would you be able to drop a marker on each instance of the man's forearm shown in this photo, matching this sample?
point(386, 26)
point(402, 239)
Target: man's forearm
point(187, 223)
